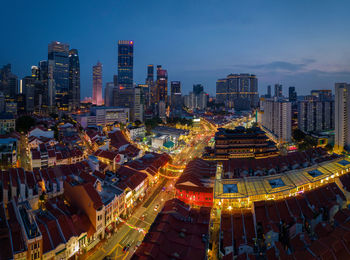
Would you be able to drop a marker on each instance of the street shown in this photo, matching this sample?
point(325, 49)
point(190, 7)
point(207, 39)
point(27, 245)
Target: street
point(129, 232)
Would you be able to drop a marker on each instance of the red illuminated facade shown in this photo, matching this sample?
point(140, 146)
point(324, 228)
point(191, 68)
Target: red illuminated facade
point(195, 185)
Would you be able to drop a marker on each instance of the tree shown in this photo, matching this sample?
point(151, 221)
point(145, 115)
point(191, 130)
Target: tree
point(138, 123)
point(298, 135)
point(24, 123)
point(54, 115)
point(329, 147)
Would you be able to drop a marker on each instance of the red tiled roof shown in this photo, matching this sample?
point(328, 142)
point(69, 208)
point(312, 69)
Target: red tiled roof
point(94, 196)
point(197, 172)
point(106, 154)
point(171, 237)
point(130, 177)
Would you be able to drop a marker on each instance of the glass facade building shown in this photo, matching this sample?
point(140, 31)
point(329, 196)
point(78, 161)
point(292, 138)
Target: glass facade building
point(74, 79)
point(125, 63)
point(58, 55)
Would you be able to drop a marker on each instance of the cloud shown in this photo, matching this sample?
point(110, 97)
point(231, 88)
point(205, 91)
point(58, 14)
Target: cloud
point(280, 66)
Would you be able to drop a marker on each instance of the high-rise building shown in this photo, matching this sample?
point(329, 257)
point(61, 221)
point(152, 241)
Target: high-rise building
point(152, 92)
point(43, 78)
point(28, 84)
point(315, 115)
point(97, 84)
point(8, 83)
point(323, 94)
point(278, 91)
point(59, 74)
point(342, 117)
point(150, 74)
point(197, 89)
point(145, 95)
point(115, 80)
point(292, 94)
point(175, 95)
point(2, 102)
point(161, 85)
point(238, 91)
point(125, 63)
point(129, 98)
point(268, 91)
point(193, 101)
point(109, 94)
point(276, 118)
point(21, 103)
point(74, 79)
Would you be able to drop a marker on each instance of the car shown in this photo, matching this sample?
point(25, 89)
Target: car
point(156, 207)
point(126, 248)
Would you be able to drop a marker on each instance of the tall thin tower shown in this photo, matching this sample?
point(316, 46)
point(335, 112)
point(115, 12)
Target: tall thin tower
point(342, 117)
point(97, 84)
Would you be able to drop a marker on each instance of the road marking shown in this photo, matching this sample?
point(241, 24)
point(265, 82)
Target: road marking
point(103, 250)
point(125, 255)
point(116, 245)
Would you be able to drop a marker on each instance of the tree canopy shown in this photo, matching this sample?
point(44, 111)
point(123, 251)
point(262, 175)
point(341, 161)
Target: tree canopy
point(24, 123)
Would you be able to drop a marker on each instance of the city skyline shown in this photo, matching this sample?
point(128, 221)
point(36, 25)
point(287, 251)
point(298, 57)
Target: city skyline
point(299, 52)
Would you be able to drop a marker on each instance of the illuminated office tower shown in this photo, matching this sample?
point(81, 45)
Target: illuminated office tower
point(125, 63)
point(8, 83)
point(161, 85)
point(97, 84)
point(175, 95)
point(238, 91)
point(74, 79)
point(43, 78)
point(59, 74)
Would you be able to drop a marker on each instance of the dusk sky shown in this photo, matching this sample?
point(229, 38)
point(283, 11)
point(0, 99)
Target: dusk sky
point(305, 44)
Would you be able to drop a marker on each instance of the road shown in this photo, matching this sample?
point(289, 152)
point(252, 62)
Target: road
point(198, 140)
point(127, 234)
point(23, 157)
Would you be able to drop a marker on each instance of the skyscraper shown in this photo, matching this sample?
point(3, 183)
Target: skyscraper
point(315, 114)
point(28, 84)
point(59, 73)
point(109, 94)
point(197, 89)
point(322, 94)
point(8, 83)
point(97, 84)
point(268, 91)
point(43, 78)
point(150, 74)
point(175, 95)
point(342, 117)
point(278, 90)
point(129, 98)
point(292, 94)
point(125, 63)
point(150, 94)
point(277, 119)
point(74, 79)
point(238, 91)
point(162, 85)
